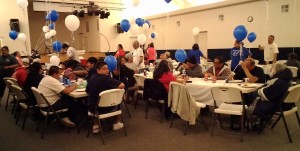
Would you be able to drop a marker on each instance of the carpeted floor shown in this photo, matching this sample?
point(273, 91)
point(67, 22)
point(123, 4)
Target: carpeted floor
point(143, 134)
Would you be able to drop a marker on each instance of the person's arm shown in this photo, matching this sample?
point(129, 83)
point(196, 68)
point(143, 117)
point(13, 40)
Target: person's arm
point(11, 66)
point(225, 74)
point(80, 72)
point(141, 60)
point(261, 48)
point(252, 79)
point(195, 72)
point(275, 58)
point(121, 86)
point(69, 89)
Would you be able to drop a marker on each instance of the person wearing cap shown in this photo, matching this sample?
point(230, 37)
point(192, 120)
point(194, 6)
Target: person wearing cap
point(21, 72)
point(129, 62)
point(197, 53)
point(219, 70)
point(71, 52)
point(192, 69)
point(238, 53)
point(8, 63)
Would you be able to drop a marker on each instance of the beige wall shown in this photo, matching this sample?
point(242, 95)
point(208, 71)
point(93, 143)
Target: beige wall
point(8, 10)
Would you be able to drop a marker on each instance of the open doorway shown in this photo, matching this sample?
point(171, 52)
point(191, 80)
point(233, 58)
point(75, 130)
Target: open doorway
point(202, 42)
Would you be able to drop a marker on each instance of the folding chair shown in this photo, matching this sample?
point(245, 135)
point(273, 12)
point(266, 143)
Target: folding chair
point(155, 92)
point(46, 109)
point(224, 99)
point(108, 98)
point(10, 93)
point(140, 82)
point(295, 74)
point(183, 104)
point(292, 96)
point(22, 103)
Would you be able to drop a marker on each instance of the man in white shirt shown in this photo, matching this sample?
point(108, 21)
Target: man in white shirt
point(56, 93)
point(71, 52)
point(270, 50)
point(138, 55)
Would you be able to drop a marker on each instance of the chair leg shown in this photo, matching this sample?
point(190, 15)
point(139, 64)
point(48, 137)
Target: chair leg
point(17, 114)
point(7, 99)
point(287, 129)
point(213, 125)
point(163, 113)
point(80, 125)
point(14, 107)
point(126, 108)
point(91, 126)
point(45, 123)
point(136, 98)
point(202, 120)
point(242, 127)
point(172, 120)
point(186, 128)
point(124, 125)
point(275, 123)
point(147, 109)
point(220, 120)
point(25, 118)
point(297, 115)
point(101, 132)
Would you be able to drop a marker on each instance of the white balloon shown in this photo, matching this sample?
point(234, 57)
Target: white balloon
point(54, 60)
point(22, 3)
point(72, 22)
point(196, 31)
point(135, 2)
point(22, 37)
point(134, 29)
point(45, 29)
point(52, 32)
point(142, 39)
point(48, 35)
point(145, 27)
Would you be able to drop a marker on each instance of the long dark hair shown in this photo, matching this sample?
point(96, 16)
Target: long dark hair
point(163, 67)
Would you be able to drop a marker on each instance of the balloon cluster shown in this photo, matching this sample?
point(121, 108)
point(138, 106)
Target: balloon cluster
point(49, 29)
point(240, 33)
point(14, 35)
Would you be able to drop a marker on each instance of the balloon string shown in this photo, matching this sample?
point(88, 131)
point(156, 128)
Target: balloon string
point(295, 7)
point(73, 38)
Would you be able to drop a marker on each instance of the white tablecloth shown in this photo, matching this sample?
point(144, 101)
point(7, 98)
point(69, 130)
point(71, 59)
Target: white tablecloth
point(201, 90)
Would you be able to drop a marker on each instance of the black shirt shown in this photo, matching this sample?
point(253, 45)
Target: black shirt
point(97, 84)
point(257, 72)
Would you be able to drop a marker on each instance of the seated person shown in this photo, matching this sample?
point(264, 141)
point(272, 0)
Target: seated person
point(164, 75)
point(99, 82)
point(129, 62)
point(163, 56)
point(90, 66)
point(21, 72)
point(271, 94)
point(248, 69)
point(219, 70)
point(293, 61)
point(52, 90)
point(73, 67)
point(191, 68)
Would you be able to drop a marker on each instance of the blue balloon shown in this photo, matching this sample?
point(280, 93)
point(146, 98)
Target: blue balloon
point(51, 25)
point(57, 46)
point(153, 35)
point(240, 33)
point(54, 15)
point(147, 21)
point(139, 21)
point(125, 25)
point(13, 35)
point(111, 62)
point(180, 55)
point(251, 37)
point(168, 1)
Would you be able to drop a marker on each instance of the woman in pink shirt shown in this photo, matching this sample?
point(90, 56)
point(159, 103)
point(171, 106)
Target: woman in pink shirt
point(120, 52)
point(164, 75)
point(151, 53)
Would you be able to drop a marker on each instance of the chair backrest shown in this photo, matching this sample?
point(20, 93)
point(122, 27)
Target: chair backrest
point(139, 79)
point(281, 61)
point(293, 94)
point(40, 98)
point(10, 81)
point(294, 70)
point(111, 97)
point(226, 94)
point(18, 92)
point(154, 90)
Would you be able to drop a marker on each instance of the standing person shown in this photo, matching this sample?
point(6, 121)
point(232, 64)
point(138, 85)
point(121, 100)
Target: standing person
point(100, 82)
point(138, 55)
point(270, 50)
point(52, 90)
point(120, 51)
point(8, 63)
point(71, 52)
point(195, 51)
point(238, 53)
point(151, 53)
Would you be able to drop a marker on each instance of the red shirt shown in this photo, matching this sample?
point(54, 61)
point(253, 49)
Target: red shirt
point(120, 53)
point(151, 53)
point(166, 79)
point(20, 75)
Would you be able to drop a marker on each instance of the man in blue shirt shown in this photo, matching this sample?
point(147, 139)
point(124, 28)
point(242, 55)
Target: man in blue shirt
point(238, 54)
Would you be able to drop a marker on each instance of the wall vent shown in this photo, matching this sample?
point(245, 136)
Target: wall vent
point(285, 8)
point(221, 17)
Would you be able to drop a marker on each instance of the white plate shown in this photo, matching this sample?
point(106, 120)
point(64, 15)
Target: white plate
point(235, 81)
point(249, 85)
point(80, 90)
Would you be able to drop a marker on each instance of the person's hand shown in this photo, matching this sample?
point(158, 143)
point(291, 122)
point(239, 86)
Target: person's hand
point(230, 77)
point(185, 66)
point(208, 75)
point(242, 64)
point(209, 60)
point(186, 78)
